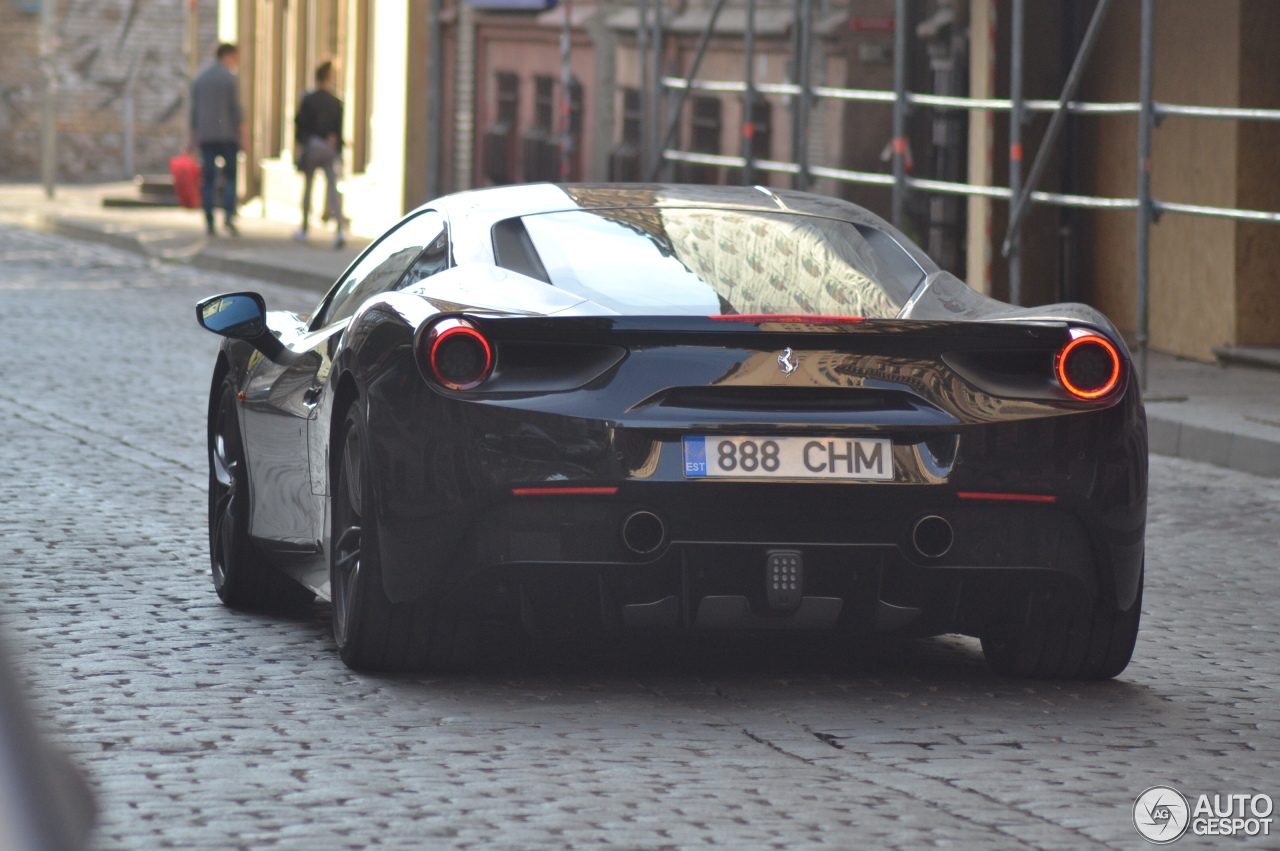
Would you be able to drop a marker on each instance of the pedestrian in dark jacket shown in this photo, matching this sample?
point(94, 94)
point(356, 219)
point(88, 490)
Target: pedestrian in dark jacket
point(318, 145)
point(217, 130)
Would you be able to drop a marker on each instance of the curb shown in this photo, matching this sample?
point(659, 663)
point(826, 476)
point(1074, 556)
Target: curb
point(128, 241)
point(1261, 357)
point(1257, 456)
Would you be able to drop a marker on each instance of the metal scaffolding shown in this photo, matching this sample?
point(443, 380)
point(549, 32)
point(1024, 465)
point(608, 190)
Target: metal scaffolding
point(1021, 194)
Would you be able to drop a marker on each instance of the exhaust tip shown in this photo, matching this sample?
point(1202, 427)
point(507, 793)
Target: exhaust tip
point(932, 536)
point(643, 532)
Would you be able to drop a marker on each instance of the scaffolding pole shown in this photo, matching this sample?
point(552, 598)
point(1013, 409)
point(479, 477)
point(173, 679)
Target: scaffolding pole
point(1021, 203)
point(749, 100)
point(1016, 119)
point(673, 117)
point(900, 107)
point(649, 156)
point(659, 99)
point(435, 100)
point(1146, 123)
point(804, 100)
point(566, 86)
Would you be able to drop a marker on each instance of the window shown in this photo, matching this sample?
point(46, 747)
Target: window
point(624, 162)
point(434, 258)
point(576, 99)
point(541, 159)
point(544, 106)
point(706, 128)
point(632, 120)
point(422, 238)
point(500, 137)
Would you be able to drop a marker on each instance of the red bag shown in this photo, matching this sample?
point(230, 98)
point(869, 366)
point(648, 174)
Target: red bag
point(186, 179)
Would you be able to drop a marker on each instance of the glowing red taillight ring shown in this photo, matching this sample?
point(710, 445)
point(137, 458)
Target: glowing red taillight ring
point(1060, 366)
point(432, 337)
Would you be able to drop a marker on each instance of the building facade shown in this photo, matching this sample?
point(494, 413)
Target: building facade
point(122, 71)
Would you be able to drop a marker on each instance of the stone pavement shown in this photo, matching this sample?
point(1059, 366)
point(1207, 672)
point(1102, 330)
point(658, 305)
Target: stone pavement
point(1223, 415)
point(203, 728)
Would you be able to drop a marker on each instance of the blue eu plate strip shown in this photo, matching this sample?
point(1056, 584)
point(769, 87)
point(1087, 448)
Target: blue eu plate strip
point(695, 456)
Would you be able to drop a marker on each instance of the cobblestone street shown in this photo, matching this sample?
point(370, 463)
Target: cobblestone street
point(204, 728)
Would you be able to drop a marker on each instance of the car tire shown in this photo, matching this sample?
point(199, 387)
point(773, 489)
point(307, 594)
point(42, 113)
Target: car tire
point(243, 574)
point(372, 633)
point(1062, 642)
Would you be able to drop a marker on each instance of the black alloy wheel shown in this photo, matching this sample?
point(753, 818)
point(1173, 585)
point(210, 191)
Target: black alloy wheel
point(242, 573)
point(1067, 643)
point(372, 633)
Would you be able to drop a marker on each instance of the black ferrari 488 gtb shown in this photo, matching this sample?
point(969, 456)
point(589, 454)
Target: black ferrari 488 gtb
point(623, 409)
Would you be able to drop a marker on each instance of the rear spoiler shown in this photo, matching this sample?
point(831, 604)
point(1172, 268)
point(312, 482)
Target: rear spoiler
point(735, 330)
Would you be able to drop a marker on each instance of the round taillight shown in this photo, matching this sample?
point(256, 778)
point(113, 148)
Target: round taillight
point(1089, 367)
point(454, 354)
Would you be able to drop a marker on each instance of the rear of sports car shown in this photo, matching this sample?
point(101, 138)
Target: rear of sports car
point(723, 471)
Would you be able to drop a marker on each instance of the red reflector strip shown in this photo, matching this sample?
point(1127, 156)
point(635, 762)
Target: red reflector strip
point(563, 491)
point(1009, 497)
point(786, 317)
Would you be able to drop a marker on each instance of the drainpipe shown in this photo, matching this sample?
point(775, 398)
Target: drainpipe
point(435, 100)
point(901, 21)
point(749, 100)
point(804, 43)
point(464, 110)
point(1016, 117)
point(1146, 123)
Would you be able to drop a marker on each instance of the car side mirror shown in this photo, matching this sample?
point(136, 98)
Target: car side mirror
point(239, 315)
point(242, 316)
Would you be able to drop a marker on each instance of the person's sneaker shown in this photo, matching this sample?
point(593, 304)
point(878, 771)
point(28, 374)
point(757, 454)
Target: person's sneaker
point(339, 240)
point(230, 228)
point(299, 236)
point(209, 229)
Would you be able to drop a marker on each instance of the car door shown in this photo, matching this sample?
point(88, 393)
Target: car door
point(282, 401)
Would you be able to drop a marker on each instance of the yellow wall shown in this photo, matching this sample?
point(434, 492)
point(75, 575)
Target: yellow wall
point(375, 199)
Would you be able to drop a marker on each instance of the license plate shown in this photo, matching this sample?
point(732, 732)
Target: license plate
point(859, 458)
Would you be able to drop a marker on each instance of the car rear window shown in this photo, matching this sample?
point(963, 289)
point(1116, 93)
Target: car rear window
point(666, 260)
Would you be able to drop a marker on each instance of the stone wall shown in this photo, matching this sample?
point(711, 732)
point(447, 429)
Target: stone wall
point(105, 50)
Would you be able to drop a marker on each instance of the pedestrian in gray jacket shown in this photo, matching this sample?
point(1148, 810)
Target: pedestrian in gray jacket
point(217, 129)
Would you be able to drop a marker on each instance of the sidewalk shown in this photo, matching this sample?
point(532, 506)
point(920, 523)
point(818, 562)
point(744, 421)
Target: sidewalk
point(265, 249)
point(1223, 415)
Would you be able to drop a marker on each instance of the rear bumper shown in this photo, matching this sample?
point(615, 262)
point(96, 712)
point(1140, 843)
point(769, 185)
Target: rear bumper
point(449, 515)
point(553, 563)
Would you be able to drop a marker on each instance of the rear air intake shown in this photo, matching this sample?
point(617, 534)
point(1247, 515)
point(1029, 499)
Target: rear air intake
point(932, 536)
point(643, 532)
